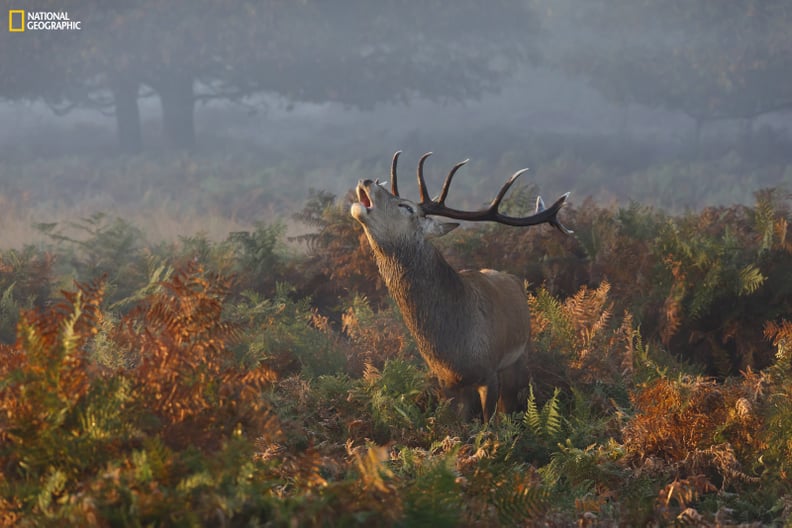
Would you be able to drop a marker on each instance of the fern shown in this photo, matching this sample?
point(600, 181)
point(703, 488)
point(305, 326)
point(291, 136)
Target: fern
point(106, 414)
point(519, 498)
point(376, 336)
point(69, 337)
point(9, 313)
point(196, 481)
point(203, 399)
point(103, 247)
point(158, 272)
point(285, 335)
point(499, 489)
point(260, 255)
point(398, 397)
point(159, 458)
point(374, 473)
point(581, 470)
point(750, 279)
point(532, 417)
point(546, 424)
point(552, 327)
point(765, 212)
point(551, 418)
point(143, 471)
point(722, 280)
point(776, 460)
point(598, 348)
point(52, 487)
point(433, 498)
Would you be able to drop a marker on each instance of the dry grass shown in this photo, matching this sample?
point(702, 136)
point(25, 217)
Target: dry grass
point(164, 220)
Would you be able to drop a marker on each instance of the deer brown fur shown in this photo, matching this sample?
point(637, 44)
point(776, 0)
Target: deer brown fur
point(471, 327)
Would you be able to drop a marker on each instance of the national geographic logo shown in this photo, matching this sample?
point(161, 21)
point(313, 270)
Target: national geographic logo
point(20, 20)
point(16, 20)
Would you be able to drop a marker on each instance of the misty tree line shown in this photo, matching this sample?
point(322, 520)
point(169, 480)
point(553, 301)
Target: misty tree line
point(708, 59)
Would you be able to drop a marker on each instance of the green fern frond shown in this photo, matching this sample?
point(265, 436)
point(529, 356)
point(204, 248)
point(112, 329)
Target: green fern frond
point(764, 217)
point(195, 481)
point(518, 499)
point(552, 421)
point(7, 303)
point(104, 416)
point(749, 280)
point(158, 457)
point(53, 486)
point(158, 273)
point(545, 424)
point(433, 498)
point(553, 328)
point(396, 394)
point(142, 469)
point(69, 337)
point(532, 416)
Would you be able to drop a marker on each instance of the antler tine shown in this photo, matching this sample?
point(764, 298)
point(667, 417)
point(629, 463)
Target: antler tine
point(503, 190)
point(447, 182)
point(421, 181)
point(394, 182)
point(558, 225)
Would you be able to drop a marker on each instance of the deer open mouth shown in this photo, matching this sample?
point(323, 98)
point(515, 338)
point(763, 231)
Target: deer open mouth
point(363, 196)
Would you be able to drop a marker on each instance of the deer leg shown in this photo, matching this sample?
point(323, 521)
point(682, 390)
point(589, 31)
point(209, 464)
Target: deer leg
point(466, 400)
point(489, 395)
point(512, 380)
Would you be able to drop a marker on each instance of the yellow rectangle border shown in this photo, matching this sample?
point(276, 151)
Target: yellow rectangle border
point(11, 13)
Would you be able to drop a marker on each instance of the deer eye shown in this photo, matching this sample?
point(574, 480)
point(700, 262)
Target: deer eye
point(407, 207)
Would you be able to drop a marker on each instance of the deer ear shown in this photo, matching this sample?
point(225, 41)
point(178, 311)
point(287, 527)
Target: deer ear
point(433, 229)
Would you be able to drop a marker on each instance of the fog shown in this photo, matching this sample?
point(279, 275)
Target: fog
point(221, 114)
point(548, 102)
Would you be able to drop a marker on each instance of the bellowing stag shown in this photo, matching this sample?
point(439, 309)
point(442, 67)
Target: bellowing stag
point(472, 328)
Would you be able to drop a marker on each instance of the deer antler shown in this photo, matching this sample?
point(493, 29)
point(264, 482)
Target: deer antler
point(437, 207)
point(394, 183)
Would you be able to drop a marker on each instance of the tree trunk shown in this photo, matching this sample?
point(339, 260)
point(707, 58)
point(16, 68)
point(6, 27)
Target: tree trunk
point(125, 95)
point(178, 106)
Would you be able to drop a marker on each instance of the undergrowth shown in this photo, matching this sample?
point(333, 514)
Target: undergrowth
point(238, 383)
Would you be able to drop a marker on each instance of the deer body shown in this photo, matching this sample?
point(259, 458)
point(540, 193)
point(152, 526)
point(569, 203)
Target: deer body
point(471, 327)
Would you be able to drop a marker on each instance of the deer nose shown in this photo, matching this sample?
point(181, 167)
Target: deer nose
point(366, 183)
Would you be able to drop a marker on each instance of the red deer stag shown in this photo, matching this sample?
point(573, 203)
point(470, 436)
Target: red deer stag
point(472, 327)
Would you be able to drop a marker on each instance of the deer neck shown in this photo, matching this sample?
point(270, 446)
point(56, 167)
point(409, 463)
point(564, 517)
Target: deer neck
point(426, 288)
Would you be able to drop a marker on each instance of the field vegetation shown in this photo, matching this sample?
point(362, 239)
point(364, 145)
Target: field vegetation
point(265, 378)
